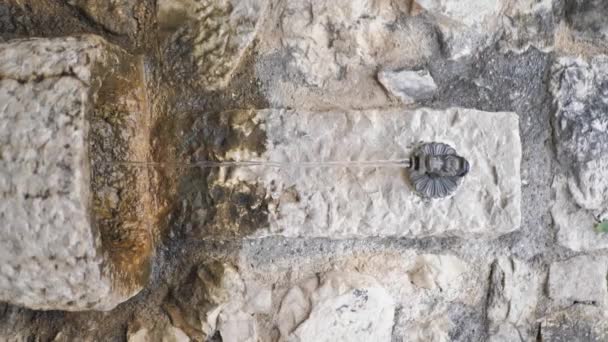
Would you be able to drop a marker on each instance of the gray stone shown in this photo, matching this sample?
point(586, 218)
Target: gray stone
point(54, 253)
point(580, 279)
point(515, 289)
point(576, 323)
point(587, 18)
point(580, 91)
point(409, 86)
point(341, 202)
point(529, 23)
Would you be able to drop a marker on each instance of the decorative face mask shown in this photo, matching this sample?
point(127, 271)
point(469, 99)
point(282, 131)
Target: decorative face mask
point(436, 170)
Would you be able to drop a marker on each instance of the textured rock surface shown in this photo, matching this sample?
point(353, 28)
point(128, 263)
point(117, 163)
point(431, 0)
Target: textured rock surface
point(579, 280)
point(211, 35)
point(577, 323)
point(364, 202)
point(409, 86)
point(529, 23)
point(348, 296)
point(575, 226)
point(52, 248)
point(580, 89)
point(513, 297)
point(328, 52)
point(588, 19)
point(211, 68)
point(466, 26)
point(337, 306)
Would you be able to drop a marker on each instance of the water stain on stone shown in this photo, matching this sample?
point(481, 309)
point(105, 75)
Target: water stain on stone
point(122, 208)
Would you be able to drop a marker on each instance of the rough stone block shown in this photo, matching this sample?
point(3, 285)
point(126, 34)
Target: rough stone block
point(340, 202)
point(580, 92)
point(580, 279)
point(207, 39)
point(56, 252)
point(514, 291)
point(467, 26)
point(361, 296)
point(316, 54)
point(576, 323)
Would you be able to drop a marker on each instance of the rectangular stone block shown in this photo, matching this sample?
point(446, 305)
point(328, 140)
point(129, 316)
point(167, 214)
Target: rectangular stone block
point(55, 252)
point(341, 202)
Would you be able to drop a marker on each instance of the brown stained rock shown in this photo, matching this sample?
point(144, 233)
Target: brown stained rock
point(127, 23)
point(77, 228)
point(207, 39)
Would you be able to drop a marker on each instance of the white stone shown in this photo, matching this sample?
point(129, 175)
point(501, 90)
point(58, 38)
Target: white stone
point(514, 291)
point(51, 251)
point(408, 85)
point(141, 335)
point(579, 279)
point(575, 225)
point(342, 307)
point(237, 326)
point(173, 334)
point(342, 202)
point(466, 25)
point(589, 185)
point(428, 309)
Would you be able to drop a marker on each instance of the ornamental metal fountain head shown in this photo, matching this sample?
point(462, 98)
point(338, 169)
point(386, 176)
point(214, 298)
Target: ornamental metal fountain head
point(436, 171)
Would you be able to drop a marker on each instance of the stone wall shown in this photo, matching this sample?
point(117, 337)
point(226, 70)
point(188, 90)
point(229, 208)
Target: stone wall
point(103, 197)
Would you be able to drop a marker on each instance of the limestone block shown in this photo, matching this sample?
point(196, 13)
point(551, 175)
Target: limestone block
point(340, 306)
point(55, 252)
point(514, 291)
point(581, 279)
point(340, 202)
point(575, 225)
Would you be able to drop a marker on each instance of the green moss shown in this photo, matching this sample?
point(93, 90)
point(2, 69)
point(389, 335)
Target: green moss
point(602, 226)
